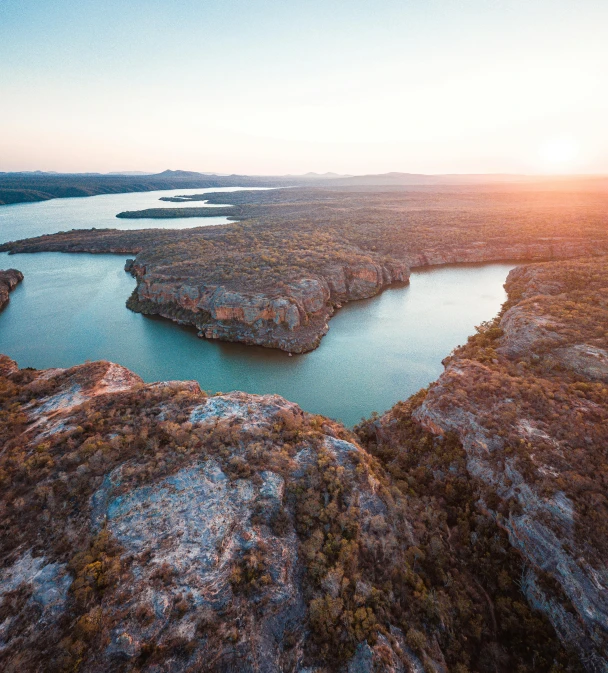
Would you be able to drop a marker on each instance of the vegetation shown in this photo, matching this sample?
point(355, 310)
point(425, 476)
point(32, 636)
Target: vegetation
point(521, 388)
point(404, 546)
point(561, 397)
point(169, 213)
point(286, 235)
point(28, 187)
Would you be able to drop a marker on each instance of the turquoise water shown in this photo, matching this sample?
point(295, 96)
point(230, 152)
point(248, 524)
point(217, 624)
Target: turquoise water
point(71, 308)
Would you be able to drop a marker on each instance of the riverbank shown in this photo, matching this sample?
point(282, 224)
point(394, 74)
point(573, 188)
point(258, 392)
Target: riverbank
point(275, 277)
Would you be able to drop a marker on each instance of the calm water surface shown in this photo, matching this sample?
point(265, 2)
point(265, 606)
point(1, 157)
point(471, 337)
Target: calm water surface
point(24, 220)
point(71, 308)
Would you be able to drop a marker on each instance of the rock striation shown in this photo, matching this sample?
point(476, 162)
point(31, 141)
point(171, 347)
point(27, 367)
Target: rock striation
point(527, 400)
point(9, 280)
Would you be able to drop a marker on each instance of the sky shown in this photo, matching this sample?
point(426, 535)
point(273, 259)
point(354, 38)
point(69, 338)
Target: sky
point(284, 86)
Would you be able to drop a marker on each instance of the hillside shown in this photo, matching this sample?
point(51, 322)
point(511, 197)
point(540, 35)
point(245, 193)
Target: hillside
point(150, 527)
point(525, 406)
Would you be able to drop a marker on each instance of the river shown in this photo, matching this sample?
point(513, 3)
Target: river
point(71, 308)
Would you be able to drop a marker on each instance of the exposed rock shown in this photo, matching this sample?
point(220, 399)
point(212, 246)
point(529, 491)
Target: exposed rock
point(293, 320)
point(514, 397)
point(9, 280)
point(177, 529)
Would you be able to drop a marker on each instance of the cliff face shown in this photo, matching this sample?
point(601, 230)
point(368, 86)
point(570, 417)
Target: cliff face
point(295, 317)
point(149, 527)
point(482, 251)
point(527, 400)
point(292, 318)
point(9, 280)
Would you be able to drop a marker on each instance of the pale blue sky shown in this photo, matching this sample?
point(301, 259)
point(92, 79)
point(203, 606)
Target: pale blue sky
point(276, 87)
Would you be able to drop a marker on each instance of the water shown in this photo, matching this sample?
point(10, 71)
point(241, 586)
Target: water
point(24, 220)
point(71, 308)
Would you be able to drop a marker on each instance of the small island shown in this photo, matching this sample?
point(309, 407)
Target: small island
point(166, 213)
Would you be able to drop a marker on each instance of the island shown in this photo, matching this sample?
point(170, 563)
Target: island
point(9, 280)
point(160, 213)
point(276, 275)
point(150, 526)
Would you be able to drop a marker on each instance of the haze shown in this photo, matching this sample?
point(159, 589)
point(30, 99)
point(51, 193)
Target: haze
point(273, 87)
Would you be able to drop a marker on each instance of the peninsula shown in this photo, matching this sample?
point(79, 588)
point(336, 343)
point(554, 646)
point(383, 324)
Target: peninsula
point(275, 277)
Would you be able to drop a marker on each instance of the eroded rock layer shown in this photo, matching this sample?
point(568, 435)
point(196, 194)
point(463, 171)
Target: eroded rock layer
point(9, 280)
point(527, 399)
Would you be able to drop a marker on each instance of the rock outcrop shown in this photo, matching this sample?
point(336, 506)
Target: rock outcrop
point(9, 280)
point(150, 527)
point(526, 398)
point(293, 318)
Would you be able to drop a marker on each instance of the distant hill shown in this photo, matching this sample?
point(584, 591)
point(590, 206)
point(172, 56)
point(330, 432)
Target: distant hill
point(395, 178)
point(26, 187)
point(29, 187)
point(129, 173)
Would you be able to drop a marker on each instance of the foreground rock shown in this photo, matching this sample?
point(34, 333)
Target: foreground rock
point(149, 527)
point(527, 401)
point(9, 280)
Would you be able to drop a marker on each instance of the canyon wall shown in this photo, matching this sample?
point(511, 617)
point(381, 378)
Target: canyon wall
point(527, 400)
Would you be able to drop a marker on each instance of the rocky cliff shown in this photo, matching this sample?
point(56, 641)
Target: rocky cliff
point(293, 317)
point(149, 527)
point(9, 280)
point(527, 401)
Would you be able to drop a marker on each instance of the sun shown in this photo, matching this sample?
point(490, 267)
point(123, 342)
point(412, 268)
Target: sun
point(559, 152)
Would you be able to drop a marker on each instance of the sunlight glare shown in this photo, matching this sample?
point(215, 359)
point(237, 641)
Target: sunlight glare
point(559, 152)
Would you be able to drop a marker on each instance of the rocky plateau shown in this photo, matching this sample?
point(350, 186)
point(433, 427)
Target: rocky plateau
point(275, 277)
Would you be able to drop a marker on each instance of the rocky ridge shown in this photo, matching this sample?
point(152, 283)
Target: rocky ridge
point(9, 280)
point(527, 400)
point(150, 527)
